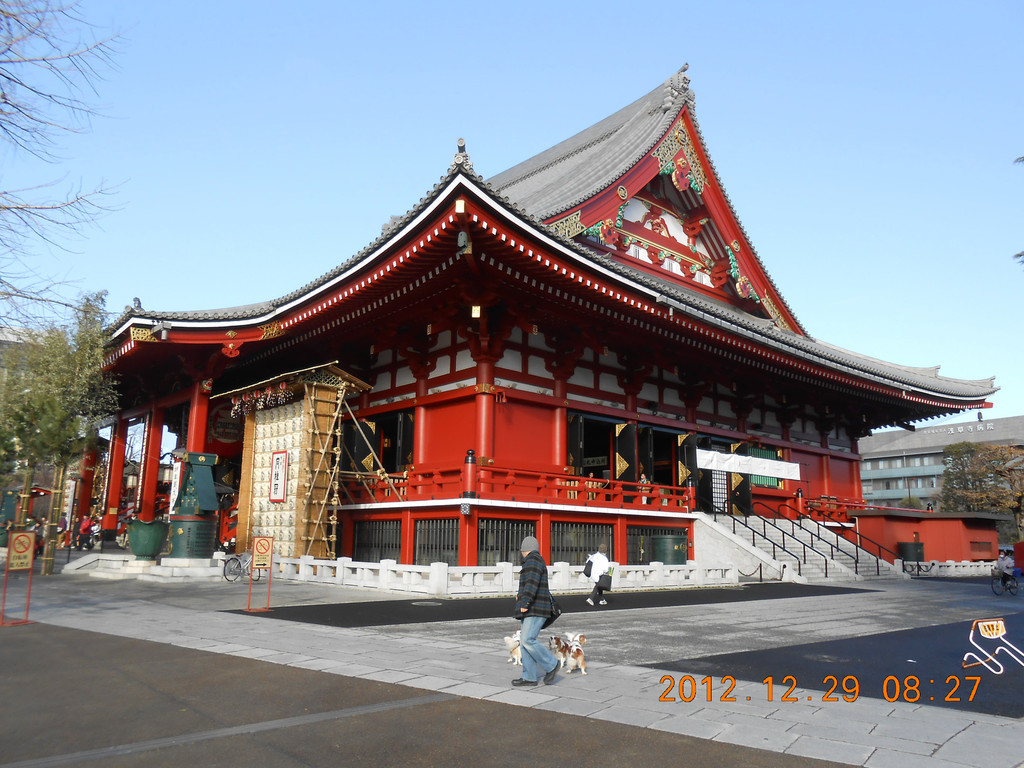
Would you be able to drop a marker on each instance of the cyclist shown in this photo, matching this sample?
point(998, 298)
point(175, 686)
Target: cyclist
point(1005, 565)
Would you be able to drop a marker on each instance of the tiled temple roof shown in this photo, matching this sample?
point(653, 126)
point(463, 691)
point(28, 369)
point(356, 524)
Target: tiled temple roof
point(562, 177)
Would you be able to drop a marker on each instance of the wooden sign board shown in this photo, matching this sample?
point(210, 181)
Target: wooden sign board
point(279, 476)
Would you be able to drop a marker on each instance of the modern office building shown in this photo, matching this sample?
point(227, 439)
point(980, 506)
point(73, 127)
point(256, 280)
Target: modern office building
point(896, 464)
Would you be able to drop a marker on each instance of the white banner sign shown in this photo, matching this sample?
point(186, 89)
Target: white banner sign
point(747, 465)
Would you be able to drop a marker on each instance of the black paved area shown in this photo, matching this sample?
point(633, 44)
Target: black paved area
point(69, 697)
point(932, 655)
point(427, 610)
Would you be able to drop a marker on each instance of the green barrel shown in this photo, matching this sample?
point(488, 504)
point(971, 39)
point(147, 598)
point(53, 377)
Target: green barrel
point(146, 539)
point(671, 550)
point(192, 536)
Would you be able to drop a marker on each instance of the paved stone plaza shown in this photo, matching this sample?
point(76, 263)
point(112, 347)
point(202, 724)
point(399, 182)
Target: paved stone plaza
point(634, 655)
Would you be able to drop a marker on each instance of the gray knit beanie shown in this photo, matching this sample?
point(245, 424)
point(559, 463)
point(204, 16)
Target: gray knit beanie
point(530, 544)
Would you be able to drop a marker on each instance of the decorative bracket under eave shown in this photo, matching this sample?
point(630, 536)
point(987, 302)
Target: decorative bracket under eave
point(271, 330)
point(142, 334)
point(231, 348)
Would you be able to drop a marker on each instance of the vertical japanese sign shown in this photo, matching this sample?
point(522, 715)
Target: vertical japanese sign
point(278, 475)
point(176, 469)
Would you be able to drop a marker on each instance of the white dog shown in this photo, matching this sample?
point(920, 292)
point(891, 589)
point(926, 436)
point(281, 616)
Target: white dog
point(515, 653)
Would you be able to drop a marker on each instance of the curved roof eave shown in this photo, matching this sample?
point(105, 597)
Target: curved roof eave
point(720, 315)
point(268, 311)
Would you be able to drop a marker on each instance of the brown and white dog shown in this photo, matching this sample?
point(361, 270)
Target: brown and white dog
point(515, 653)
point(569, 651)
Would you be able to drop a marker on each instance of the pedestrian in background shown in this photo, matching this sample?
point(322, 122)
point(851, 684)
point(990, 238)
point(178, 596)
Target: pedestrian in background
point(598, 567)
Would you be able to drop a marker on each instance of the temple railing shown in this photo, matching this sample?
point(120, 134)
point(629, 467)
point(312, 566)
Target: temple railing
point(516, 484)
point(441, 579)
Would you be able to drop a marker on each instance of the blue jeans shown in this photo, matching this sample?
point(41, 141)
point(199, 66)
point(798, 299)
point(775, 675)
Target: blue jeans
point(537, 659)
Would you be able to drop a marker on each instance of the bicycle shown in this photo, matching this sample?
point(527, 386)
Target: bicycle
point(1004, 582)
point(238, 565)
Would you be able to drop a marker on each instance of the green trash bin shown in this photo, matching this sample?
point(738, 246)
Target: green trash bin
point(670, 550)
point(910, 551)
point(192, 536)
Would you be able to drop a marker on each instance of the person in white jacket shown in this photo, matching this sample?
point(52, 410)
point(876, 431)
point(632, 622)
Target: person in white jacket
point(599, 567)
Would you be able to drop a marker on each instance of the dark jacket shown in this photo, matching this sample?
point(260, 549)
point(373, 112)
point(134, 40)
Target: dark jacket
point(533, 588)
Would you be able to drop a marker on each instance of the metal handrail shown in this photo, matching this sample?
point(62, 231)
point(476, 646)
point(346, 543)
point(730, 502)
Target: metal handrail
point(858, 545)
point(832, 547)
point(775, 547)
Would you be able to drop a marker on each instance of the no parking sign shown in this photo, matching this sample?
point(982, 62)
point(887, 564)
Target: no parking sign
point(262, 560)
point(262, 551)
point(20, 550)
point(21, 547)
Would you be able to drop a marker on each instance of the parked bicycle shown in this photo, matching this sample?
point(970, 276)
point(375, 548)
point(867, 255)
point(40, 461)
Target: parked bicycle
point(1004, 583)
point(240, 565)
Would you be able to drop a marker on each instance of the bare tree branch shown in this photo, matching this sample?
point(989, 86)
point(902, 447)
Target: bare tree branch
point(48, 57)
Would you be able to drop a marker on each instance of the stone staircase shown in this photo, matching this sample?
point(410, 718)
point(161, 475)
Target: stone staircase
point(809, 551)
point(862, 563)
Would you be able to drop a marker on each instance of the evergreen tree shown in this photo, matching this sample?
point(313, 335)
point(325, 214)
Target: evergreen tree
point(54, 393)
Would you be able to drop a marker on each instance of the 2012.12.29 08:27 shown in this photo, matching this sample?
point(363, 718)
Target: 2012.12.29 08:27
point(846, 688)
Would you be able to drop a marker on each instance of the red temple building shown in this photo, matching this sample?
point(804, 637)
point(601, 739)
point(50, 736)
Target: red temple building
point(585, 347)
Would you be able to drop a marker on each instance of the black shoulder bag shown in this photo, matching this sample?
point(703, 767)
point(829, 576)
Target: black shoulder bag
point(556, 611)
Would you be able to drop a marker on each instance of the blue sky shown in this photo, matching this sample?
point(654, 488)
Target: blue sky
point(867, 147)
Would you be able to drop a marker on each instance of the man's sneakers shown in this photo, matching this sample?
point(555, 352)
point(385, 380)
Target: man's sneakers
point(603, 602)
point(589, 601)
point(548, 679)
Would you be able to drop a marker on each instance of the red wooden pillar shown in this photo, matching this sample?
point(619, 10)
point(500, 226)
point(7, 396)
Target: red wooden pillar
point(150, 465)
point(346, 536)
point(544, 535)
point(826, 475)
point(467, 516)
point(87, 476)
point(468, 534)
point(407, 553)
point(561, 416)
point(115, 479)
point(485, 408)
point(619, 546)
point(198, 416)
point(419, 433)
